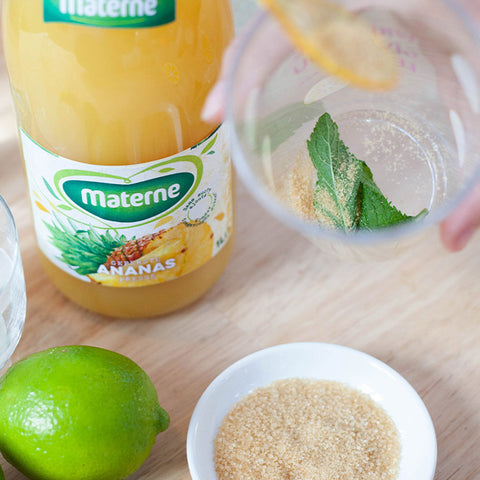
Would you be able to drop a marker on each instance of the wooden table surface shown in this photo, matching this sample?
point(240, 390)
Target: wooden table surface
point(419, 313)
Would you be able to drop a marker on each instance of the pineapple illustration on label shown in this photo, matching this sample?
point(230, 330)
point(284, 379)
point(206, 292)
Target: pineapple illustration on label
point(131, 226)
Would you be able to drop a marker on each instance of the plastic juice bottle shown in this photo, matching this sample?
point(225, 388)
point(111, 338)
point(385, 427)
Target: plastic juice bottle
point(131, 191)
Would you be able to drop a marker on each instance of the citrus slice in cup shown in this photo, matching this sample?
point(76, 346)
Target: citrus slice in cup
point(339, 41)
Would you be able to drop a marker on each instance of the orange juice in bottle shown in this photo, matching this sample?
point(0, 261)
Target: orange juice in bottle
point(131, 191)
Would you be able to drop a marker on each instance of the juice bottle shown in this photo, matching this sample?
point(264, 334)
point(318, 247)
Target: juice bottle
point(131, 191)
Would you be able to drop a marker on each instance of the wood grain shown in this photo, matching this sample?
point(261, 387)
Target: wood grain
point(419, 312)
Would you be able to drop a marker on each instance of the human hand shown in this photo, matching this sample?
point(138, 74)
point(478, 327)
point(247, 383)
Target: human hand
point(273, 46)
point(457, 229)
point(460, 226)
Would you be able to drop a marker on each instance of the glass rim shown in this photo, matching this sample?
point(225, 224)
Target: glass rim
point(273, 205)
point(16, 251)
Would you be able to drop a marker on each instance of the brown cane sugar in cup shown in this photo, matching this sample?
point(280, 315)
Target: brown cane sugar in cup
point(302, 429)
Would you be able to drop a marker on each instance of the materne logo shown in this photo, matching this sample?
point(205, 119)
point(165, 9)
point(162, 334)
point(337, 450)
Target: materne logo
point(130, 203)
point(110, 13)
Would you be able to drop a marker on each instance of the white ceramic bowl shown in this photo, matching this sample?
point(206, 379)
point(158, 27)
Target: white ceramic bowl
point(321, 361)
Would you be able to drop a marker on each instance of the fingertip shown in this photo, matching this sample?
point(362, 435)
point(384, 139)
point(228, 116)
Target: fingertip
point(461, 240)
point(453, 239)
point(457, 230)
point(214, 106)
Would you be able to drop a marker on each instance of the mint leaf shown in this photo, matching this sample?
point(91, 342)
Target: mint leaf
point(376, 210)
point(346, 195)
point(338, 176)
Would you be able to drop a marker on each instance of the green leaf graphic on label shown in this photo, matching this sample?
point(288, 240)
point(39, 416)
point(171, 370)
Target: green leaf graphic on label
point(210, 144)
point(49, 188)
point(64, 207)
point(110, 13)
point(128, 203)
point(83, 250)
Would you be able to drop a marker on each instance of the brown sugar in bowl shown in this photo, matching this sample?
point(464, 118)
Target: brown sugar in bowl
point(307, 429)
point(332, 364)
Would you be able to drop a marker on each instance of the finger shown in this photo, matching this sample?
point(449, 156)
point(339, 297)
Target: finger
point(214, 107)
point(271, 47)
point(459, 227)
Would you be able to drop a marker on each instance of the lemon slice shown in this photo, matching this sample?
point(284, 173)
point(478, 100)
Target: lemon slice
point(340, 41)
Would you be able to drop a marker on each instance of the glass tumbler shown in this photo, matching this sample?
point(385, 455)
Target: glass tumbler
point(12, 287)
point(420, 139)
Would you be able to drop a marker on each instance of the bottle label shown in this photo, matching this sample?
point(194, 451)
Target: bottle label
point(110, 13)
point(133, 225)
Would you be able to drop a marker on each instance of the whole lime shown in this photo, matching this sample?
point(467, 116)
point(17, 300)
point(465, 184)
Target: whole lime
point(78, 412)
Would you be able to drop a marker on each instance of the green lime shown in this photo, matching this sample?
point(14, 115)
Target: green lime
point(78, 412)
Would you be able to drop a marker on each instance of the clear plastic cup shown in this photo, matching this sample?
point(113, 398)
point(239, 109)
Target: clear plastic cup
point(421, 139)
point(12, 287)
